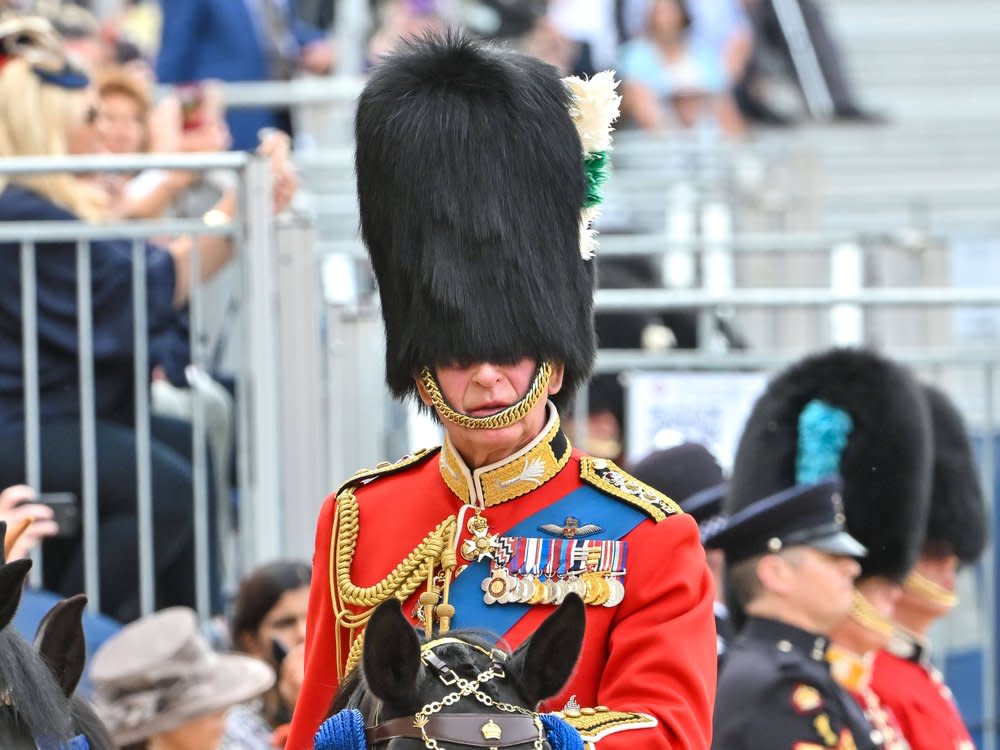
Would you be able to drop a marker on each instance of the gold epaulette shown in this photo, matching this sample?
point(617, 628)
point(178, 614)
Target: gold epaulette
point(611, 480)
point(593, 724)
point(363, 476)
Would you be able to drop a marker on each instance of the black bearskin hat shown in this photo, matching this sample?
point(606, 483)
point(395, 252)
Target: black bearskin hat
point(884, 458)
point(471, 182)
point(958, 511)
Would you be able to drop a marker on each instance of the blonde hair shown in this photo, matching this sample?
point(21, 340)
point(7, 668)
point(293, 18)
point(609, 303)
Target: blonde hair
point(35, 120)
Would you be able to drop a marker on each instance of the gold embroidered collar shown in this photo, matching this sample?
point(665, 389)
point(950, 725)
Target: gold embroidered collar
point(528, 469)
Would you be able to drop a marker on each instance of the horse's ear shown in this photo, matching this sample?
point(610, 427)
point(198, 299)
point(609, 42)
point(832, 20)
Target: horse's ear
point(544, 662)
point(61, 643)
point(12, 577)
point(391, 656)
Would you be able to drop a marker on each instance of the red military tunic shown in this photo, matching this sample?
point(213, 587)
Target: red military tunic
point(919, 698)
point(653, 653)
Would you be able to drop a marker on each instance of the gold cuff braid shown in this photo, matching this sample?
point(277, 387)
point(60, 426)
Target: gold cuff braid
point(925, 588)
point(511, 415)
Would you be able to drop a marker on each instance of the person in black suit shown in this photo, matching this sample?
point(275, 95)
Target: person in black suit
point(798, 31)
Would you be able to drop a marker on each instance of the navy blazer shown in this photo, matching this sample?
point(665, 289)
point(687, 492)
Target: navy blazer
point(204, 39)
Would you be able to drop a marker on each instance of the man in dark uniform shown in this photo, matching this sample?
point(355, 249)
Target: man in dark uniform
point(691, 475)
point(791, 568)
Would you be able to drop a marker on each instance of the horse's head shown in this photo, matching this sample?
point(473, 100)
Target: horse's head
point(456, 690)
point(36, 688)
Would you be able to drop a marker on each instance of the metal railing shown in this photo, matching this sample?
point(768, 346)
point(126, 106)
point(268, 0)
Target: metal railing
point(252, 234)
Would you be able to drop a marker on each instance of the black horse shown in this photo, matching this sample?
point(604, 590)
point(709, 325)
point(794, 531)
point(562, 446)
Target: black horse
point(37, 706)
point(458, 690)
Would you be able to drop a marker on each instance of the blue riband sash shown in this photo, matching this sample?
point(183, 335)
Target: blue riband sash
point(586, 503)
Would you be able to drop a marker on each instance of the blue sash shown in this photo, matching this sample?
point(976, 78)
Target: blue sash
point(586, 503)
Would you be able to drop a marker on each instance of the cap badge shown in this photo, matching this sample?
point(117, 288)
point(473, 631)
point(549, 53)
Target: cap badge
point(571, 529)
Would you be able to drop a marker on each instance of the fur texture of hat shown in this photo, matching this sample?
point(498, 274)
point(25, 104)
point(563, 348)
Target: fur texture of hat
point(885, 465)
point(471, 182)
point(958, 508)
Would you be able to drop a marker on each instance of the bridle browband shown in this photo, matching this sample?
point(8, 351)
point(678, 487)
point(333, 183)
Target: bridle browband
point(479, 730)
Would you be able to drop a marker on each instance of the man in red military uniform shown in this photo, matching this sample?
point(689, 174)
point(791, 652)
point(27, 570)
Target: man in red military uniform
point(477, 175)
point(904, 677)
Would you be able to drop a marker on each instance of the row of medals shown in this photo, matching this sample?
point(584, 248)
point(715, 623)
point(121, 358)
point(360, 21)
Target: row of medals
point(597, 589)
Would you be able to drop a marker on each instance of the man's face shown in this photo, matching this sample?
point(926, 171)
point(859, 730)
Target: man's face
point(942, 570)
point(485, 388)
point(822, 585)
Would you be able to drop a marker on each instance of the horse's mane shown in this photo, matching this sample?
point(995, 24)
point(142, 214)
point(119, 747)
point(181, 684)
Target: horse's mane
point(39, 703)
point(353, 688)
point(87, 723)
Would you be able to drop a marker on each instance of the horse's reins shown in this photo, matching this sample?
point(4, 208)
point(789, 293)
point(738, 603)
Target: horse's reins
point(474, 730)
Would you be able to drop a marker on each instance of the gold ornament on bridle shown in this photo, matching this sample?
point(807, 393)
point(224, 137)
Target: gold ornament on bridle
point(511, 415)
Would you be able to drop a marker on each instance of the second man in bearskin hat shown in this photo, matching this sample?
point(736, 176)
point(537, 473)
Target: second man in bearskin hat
point(853, 417)
point(904, 678)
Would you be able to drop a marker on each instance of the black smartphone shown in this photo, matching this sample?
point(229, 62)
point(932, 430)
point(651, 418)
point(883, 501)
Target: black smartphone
point(65, 512)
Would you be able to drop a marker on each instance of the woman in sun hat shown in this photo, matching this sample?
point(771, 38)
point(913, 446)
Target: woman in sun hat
point(159, 686)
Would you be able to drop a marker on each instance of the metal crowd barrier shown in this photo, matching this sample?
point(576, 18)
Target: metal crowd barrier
point(253, 234)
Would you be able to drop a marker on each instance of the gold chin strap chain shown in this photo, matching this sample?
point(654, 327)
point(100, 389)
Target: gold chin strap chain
point(925, 588)
point(465, 688)
point(435, 552)
point(869, 617)
point(511, 415)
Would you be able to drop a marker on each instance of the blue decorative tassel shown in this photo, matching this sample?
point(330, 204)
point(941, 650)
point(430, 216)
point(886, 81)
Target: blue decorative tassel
point(823, 433)
point(561, 736)
point(344, 730)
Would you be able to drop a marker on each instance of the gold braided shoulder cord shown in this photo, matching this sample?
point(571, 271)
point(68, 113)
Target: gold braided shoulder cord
point(409, 575)
point(511, 415)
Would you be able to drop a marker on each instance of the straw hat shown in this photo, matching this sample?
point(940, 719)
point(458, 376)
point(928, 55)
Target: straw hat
point(159, 673)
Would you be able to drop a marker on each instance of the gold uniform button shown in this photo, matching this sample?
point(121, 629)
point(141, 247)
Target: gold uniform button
point(573, 713)
point(601, 709)
point(588, 711)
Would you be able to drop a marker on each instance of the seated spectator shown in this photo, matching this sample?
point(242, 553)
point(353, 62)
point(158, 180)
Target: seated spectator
point(670, 81)
point(16, 505)
point(126, 124)
point(48, 109)
point(269, 623)
point(158, 685)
